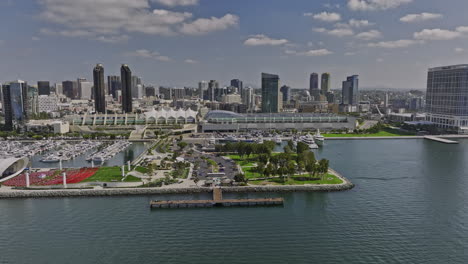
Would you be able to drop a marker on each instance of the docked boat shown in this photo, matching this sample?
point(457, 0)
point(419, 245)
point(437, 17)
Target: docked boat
point(50, 159)
point(231, 138)
point(309, 140)
point(319, 138)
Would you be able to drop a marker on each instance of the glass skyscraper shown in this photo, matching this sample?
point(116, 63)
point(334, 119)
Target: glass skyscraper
point(126, 77)
point(326, 80)
point(99, 89)
point(271, 96)
point(447, 97)
point(350, 91)
point(314, 86)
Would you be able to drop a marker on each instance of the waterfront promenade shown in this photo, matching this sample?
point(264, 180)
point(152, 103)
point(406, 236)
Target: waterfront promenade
point(7, 192)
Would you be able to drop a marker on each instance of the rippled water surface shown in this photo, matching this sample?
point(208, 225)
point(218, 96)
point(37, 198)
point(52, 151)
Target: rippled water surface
point(410, 205)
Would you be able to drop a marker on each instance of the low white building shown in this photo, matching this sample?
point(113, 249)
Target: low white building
point(61, 127)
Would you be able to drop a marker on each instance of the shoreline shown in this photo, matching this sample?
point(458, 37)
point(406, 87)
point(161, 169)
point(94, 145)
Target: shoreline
point(64, 193)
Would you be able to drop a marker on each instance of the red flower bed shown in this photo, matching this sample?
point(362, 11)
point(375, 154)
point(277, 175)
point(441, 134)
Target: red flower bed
point(73, 176)
point(51, 177)
point(35, 178)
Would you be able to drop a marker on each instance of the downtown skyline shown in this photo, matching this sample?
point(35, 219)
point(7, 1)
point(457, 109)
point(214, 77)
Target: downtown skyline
point(180, 42)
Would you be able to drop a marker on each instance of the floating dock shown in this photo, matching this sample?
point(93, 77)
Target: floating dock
point(217, 201)
point(441, 140)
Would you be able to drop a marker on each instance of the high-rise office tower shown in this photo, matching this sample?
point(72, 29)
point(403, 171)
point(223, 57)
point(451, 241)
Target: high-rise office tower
point(248, 98)
point(271, 95)
point(15, 103)
point(350, 91)
point(58, 88)
point(70, 89)
point(150, 91)
point(126, 77)
point(212, 87)
point(135, 89)
point(238, 84)
point(86, 90)
point(286, 91)
point(326, 83)
point(314, 89)
point(447, 97)
point(113, 85)
point(7, 108)
point(202, 88)
point(99, 89)
point(43, 87)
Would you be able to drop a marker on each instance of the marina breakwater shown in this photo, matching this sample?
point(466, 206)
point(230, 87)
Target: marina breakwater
point(5, 194)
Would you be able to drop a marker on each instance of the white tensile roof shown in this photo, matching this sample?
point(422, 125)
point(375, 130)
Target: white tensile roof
point(5, 163)
point(169, 112)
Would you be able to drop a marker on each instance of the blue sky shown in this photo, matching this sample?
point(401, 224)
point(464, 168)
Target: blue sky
point(389, 43)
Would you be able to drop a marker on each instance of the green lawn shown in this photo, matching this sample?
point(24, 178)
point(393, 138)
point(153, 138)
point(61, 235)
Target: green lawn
point(142, 169)
point(384, 133)
point(131, 178)
point(108, 174)
point(329, 179)
point(183, 174)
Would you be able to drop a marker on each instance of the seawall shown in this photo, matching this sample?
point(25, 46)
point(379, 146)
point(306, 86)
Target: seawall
point(62, 193)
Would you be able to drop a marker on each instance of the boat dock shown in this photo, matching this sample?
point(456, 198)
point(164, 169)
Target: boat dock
point(217, 201)
point(441, 140)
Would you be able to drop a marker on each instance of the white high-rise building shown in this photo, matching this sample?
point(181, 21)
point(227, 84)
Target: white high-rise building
point(202, 87)
point(58, 88)
point(86, 90)
point(248, 97)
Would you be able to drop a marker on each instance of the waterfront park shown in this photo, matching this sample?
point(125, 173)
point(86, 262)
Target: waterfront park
point(169, 162)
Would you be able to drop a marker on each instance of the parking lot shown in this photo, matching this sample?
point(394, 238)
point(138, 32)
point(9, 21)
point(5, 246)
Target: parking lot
point(203, 168)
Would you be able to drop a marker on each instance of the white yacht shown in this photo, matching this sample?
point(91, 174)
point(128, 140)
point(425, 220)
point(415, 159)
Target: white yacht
point(309, 140)
point(319, 139)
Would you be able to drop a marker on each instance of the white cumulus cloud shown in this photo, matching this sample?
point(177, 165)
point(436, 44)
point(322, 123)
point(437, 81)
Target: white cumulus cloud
point(411, 18)
point(402, 43)
point(172, 3)
point(144, 53)
point(190, 61)
point(119, 17)
point(437, 34)
point(373, 5)
point(263, 40)
point(325, 16)
point(310, 53)
point(337, 32)
point(317, 52)
point(369, 35)
point(203, 26)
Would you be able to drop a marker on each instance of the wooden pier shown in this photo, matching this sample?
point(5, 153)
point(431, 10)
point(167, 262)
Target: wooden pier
point(217, 201)
point(441, 140)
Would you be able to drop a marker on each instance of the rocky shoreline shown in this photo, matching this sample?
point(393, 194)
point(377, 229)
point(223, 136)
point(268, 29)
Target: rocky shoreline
point(62, 193)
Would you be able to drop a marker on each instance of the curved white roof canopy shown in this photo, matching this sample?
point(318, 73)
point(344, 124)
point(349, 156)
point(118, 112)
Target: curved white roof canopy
point(11, 167)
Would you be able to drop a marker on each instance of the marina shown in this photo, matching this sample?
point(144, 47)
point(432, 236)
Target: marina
point(108, 152)
point(71, 151)
point(19, 149)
